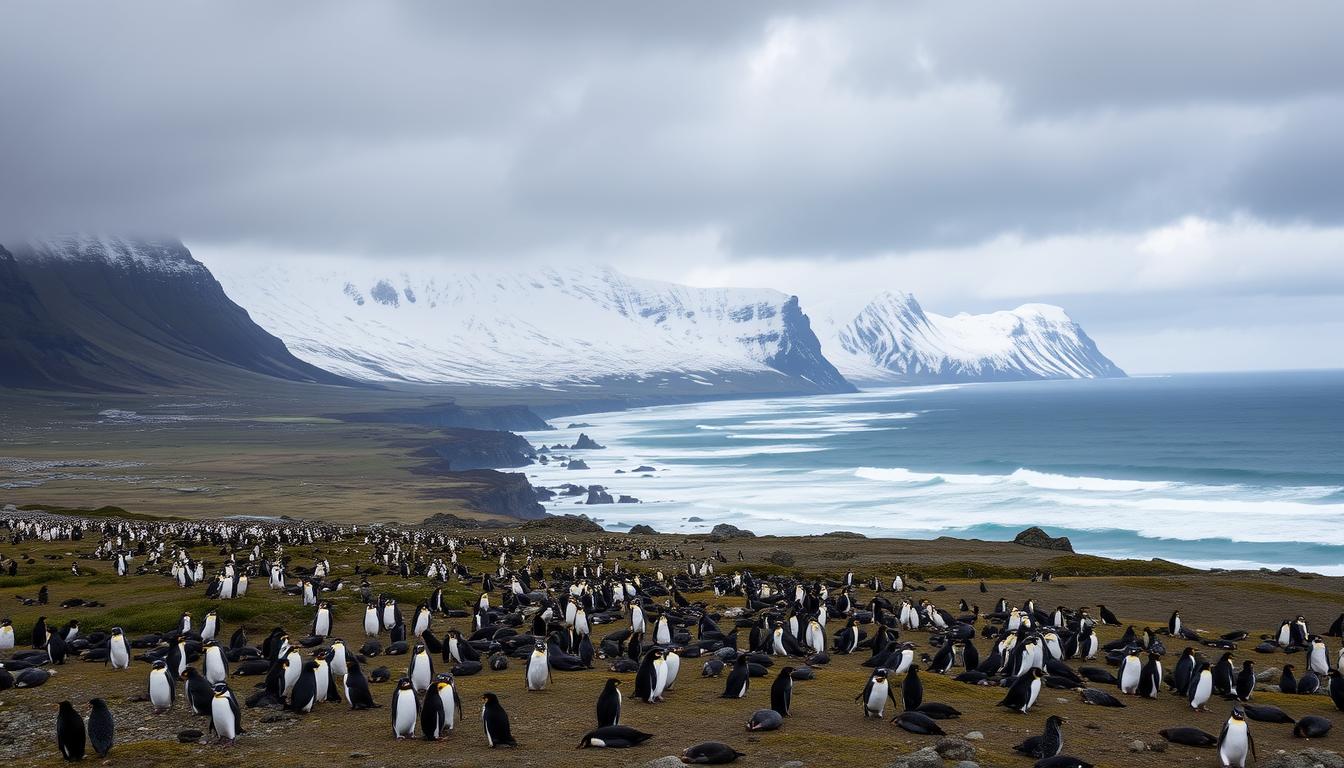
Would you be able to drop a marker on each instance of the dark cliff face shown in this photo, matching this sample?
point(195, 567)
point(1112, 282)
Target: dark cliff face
point(458, 450)
point(507, 494)
point(127, 315)
point(800, 352)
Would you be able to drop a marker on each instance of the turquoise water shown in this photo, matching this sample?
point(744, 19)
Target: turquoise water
point(1233, 470)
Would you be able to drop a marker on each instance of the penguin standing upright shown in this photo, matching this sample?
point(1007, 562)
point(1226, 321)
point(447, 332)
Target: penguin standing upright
point(495, 721)
point(1245, 683)
point(303, 696)
point(70, 735)
point(405, 709)
point(1235, 742)
point(538, 672)
point(322, 620)
point(102, 727)
point(1021, 696)
point(876, 693)
point(118, 650)
point(215, 666)
point(432, 715)
point(739, 680)
point(1200, 688)
point(161, 689)
point(1184, 672)
point(1150, 679)
point(198, 691)
point(1131, 670)
point(357, 693)
point(781, 692)
point(449, 701)
point(609, 704)
point(421, 669)
point(226, 720)
point(912, 689)
point(6, 635)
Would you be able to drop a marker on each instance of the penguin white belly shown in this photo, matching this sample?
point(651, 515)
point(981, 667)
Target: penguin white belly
point(403, 724)
point(1129, 676)
point(1235, 745)
point(537, 673)
point(221, 714)
point(420, 674)
point(371, 624)
point(160, 690)
point(1318, 663)
point(673, 664)
point(449, 707)
point(1203, 689)
point(907, 658)
point(119, 656)
point(877, 699)
point(659, 679)
point(214, 667)
point(6, 638)
point(1032, 694)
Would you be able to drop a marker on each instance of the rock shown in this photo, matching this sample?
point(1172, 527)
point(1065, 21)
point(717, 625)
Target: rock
point(570, 489)
point(1138, 745)
point(627, 500)
point(576, 464)
point(781, 557)
point(694, 519)
point(598, 495)
point(968, 764)
point(359, 755)
point(579, 425)
point(586, 443)
point(792, 764)
point(278, 717)
point(642, 530)
point(667, 761)
point(952, 748)
point(1035, 537)
point(1307, 758)
point(844, 535)
point(726, 531)
point(643, 468)
point(189, 736)
point(975, 736)
point(564, 523)
point(924, 758)
point(543, 494)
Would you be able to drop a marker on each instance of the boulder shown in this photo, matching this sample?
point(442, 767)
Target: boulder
point(726, 531)
point(576, 464)
point(643, 468)
point(844, 535)
point(627, 500)
point(543, 494)
point(924, 758)
point(1307, 758)
point(642, 530)
point(666, 761)
point(564, 523)
point(586, 443)
point(952, 748)
point(1035, 537)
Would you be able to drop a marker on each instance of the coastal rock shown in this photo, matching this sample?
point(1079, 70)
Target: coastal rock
point(642, 530)
point(643, 468)
point(627, 500)
point(578, 425)
point(844, 535)
point(576, 464)
point(727, 531)
point(586, 443)
point(598, 495)
point(1035, 537)
point(570, 489)
point(543, 494)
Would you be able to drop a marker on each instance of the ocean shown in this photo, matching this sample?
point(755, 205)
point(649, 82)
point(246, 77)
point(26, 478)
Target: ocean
point(1212, 470)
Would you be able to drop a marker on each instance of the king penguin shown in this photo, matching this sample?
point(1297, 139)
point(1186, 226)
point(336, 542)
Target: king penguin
point(1235, 742)
point(405, 709)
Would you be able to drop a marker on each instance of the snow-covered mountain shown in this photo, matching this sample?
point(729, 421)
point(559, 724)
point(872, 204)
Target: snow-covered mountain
point(893, 339)
point(572, 327)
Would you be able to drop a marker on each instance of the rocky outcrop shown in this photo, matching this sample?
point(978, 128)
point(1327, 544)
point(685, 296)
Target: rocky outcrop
point(562, 523)
point(576, 464)
point(726, 531)
point(642, 530)
point(1035, 537)
point(598, 495)
point(782, 558)
point(506, 494)
point(458, 450)
point(627, 500)
point(586, 443)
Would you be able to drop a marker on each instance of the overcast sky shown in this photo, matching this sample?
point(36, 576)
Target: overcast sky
point(1170, 173)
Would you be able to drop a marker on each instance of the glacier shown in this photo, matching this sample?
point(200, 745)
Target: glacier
point(436, 322)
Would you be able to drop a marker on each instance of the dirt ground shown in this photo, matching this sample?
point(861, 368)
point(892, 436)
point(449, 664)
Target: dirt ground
point(826, 727)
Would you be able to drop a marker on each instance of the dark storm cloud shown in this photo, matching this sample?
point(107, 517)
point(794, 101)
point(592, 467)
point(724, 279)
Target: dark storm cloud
point(496, 129)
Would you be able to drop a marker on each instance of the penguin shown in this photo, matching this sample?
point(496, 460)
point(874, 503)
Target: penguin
point(225, 717)
point(1130, 672)
point(765, 720)
point(1245, 683)
point(1190, 737)
point(449, 701)
point(1200, 687)
point(303, 696)
point(781, 692)
point(161, 688)
point(432, 715)
point(710, 753)
point(357, 693)
point(1107, 617)
point(102, 727)
point(495, 721)
point(214, 666)
point(1025, 689)
point(1336, 689)
point(1312, 727)
point(6, 635)
point(614, 737)
point(609, 704)
point(70, 734)
point(421, 669)
point(876, 693)
point(371, 622)
point(118, 650)
point(1184, 672)
point(1048, 744)
point(322, 620)
point(1150, 680)
point(1174, 624)
point(739, 680)
point(912, 689)
point(1316, 659)
point(210, 626)
point(1224, 679)
point(198, 692)
point(538, 671)
point(1235, 741)
point(405, 709)
point(918, 722)
point(1287, 680)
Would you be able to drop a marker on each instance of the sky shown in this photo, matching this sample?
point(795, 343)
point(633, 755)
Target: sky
point(1170, 174)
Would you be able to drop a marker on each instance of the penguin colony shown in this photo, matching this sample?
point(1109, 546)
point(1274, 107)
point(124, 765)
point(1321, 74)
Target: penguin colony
point(607, 610)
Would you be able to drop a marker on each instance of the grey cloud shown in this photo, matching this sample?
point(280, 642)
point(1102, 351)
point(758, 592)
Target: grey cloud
point(495, 130)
